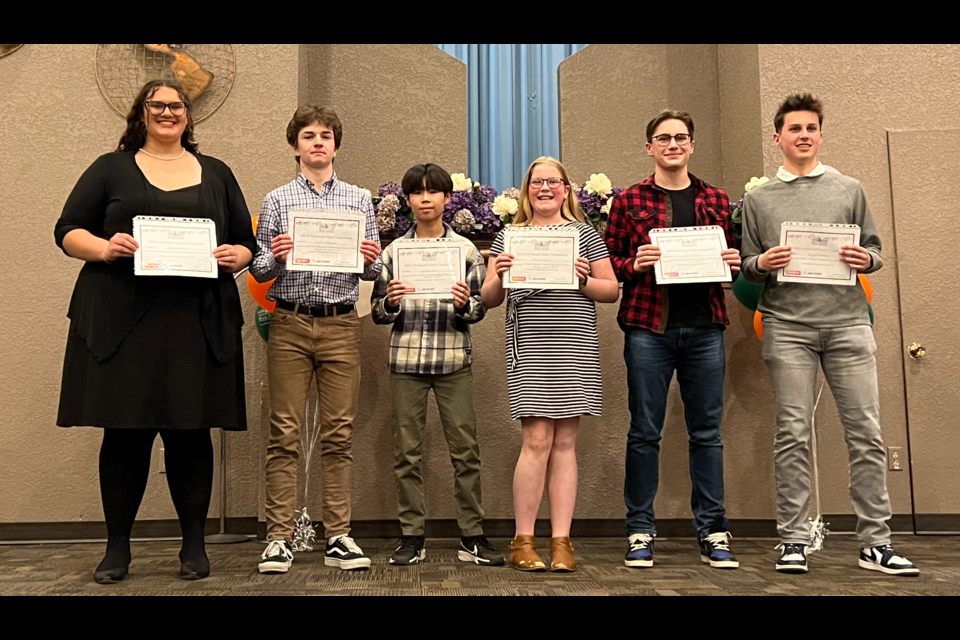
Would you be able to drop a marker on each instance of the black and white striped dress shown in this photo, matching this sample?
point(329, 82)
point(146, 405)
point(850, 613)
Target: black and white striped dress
point(553, 351)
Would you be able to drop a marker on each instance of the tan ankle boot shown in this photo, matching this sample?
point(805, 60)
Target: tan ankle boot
point(561, 552)
point(524, 556)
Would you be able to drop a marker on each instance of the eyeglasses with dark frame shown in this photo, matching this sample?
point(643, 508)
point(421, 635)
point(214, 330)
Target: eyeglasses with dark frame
point(157, 108)
point(553, 183)
point(665, 139)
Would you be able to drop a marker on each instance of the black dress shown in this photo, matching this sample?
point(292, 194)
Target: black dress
point(153, 352)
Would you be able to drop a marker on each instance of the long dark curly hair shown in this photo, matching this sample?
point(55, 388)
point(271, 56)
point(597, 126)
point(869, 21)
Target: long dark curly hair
point(136, 134)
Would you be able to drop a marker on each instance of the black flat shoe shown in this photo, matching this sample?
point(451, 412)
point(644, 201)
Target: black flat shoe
point(193, 571)
point(111, 576)
point(190, 574)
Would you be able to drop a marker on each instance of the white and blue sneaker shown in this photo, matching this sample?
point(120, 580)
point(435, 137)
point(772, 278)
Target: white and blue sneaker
point(886, 560)
point(640, 555)
point(715, 551)
point(793, 559)
point(344, 554)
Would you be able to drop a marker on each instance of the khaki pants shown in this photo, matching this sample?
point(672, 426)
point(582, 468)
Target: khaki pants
point(454, 393)
point(300, 348)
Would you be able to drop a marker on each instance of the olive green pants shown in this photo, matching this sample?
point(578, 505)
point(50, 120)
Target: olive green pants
point(454, 393)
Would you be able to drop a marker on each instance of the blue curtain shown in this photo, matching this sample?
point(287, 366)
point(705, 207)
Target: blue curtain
point(514, 113)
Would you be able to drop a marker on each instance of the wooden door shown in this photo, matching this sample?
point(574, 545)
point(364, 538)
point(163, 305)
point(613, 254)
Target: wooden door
point(925, 166)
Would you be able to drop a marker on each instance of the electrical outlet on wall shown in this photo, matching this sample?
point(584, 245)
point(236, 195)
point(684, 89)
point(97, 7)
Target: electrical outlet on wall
point(895, 459)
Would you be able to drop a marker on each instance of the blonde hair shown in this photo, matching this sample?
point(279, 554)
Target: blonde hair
point(571, 206)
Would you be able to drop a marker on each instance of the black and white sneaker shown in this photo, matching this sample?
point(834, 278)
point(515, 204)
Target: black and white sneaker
point(410, 551)
point(278, 558)
point(793, 559)
point(886, 560)
point(344, 554)
point(478, 550)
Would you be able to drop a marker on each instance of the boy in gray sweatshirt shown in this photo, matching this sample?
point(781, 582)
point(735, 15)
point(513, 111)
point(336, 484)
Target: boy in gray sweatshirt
point(808, 326)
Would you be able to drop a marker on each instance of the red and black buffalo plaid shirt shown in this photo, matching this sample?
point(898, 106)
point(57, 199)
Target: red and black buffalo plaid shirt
point(634, 213)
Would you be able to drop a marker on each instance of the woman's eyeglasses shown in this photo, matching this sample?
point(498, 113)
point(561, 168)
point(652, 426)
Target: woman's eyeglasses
point(157, 108)
point(553, 183)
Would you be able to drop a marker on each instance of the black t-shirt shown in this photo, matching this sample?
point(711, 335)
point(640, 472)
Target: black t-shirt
point(689, 303)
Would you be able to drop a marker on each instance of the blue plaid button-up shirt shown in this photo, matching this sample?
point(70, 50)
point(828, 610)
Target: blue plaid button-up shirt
point(310, 288)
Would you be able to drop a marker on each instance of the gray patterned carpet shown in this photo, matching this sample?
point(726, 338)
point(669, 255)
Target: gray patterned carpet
point(67, 570)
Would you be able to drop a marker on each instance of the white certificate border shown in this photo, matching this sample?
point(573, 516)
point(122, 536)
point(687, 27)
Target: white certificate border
point(443, 244)
point(546, 233)
point(821, 229)
point(337, 215)
point(141, 222)
point(655, 235)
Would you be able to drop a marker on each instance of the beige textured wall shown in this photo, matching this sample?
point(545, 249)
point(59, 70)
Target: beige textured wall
point(608, 94)
point(401, 105)
point(54, 124)
point(743, 133)
point(868, 89)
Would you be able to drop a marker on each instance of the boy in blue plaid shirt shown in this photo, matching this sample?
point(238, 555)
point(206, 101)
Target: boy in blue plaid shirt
point(431, 349)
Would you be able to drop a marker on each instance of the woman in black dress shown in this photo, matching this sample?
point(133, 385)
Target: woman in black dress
point(154, 355)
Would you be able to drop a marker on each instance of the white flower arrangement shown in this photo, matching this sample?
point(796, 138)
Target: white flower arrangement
point(599, 185)
point(605, 209)
point(755, 182)
point(461, 182)
point(505, 207)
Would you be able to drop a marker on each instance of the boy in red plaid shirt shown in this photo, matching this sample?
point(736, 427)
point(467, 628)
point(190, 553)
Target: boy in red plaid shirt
point(672, 329)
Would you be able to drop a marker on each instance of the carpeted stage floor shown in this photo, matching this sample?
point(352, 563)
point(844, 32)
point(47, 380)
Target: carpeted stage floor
point(67, 570)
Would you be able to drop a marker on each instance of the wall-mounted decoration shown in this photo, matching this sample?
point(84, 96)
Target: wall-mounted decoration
point(205, 71)
point(7, 49)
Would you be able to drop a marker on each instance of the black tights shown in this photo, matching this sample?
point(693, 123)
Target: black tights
point(124, 470)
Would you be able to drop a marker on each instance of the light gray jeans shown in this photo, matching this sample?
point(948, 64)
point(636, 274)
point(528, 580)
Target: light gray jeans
point(794, 352)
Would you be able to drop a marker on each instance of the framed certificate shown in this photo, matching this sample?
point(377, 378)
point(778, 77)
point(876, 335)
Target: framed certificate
point(816, 253)
point(544, 258)
point(175, 247)
point(690, 255)
point(429, 268)
point(327, 241)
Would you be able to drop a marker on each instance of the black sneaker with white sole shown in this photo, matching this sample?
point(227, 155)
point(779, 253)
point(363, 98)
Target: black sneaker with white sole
point(409, 552)
point(343, 553)
point(886, 560)
point(793, 559)
point(478, 550)
point(278, 558)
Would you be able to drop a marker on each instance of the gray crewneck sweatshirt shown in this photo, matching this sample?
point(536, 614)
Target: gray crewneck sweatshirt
point(822, 199)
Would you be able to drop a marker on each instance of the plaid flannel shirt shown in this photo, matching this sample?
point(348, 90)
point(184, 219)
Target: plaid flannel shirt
point(310, 288)
point(431, 337)
point(634, 213)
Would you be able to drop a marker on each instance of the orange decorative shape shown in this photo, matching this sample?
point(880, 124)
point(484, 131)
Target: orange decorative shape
point(259, 293)
point(758, 325)
point(867, 287)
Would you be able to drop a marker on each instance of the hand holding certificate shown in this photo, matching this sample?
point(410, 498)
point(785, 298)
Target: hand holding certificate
point(691, 255)
point(327, 241)
point(175, 247)
point(544, 258)
point(429, 269)
point(815, 251)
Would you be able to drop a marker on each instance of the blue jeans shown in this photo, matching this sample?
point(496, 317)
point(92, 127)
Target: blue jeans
point(697, 356)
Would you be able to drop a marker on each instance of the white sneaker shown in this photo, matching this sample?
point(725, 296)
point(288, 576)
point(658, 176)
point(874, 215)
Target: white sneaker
point(278, 558)
point(793, 559)
point(343, 553)
point(886, 560)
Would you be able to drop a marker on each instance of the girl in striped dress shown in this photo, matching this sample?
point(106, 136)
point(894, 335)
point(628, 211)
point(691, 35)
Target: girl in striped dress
point(553, 362)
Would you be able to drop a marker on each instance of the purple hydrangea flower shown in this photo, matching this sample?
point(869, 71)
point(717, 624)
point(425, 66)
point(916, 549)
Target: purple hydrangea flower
point(403, 225)
point(392, 189)
point(485, 194)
